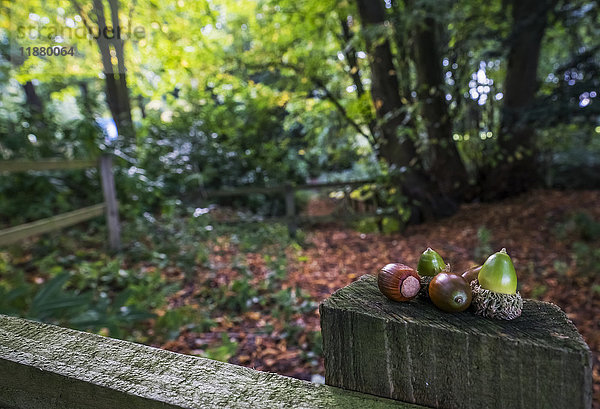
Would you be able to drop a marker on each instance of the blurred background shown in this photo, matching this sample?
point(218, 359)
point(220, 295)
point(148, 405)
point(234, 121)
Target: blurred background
point(259, 155)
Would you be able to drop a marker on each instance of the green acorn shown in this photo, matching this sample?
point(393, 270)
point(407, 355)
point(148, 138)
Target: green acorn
point(495, 290)
point(430, 264)
point(498, 274)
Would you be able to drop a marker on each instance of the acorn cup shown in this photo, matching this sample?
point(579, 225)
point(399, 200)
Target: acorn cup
point(495, 289)
point(430, 264)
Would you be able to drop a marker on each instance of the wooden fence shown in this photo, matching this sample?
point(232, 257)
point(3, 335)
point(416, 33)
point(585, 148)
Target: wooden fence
point(292, 218)
point(109, 207)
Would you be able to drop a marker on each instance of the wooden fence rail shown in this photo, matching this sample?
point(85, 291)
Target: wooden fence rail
point(109, 206)
point(247, 190)
point(17, 233)
point(45, 164)
point(48, 367)
point(289, 190)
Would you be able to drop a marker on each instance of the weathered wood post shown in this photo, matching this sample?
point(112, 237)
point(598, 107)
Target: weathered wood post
point(290, 209)
point(110, 201)
point(48, 367)
point(416, 353)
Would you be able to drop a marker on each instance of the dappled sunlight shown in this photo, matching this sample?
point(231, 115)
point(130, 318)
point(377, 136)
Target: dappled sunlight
point(198, 175)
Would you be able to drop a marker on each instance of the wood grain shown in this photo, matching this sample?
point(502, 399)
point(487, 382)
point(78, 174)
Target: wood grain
point(416, 353)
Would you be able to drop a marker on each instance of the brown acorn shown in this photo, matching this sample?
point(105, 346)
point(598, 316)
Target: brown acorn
point(450, 292)
point(398, 282)
point(471, 274)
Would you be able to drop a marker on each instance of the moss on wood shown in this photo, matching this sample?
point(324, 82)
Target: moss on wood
point(43, 366)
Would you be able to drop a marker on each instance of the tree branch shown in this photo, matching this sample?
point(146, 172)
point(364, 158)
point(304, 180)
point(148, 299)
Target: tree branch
point(342, 110)
point(321, 84)
point(83, 15)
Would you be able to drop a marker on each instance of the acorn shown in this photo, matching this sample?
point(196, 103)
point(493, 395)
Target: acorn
point(450, 292)
point(471, 274)
point(495, 289)
point(398, 282)
point(430, 264)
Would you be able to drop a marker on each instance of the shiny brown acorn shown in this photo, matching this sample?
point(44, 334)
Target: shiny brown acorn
point(450, 292)
point(398, 282)
point(471, 274)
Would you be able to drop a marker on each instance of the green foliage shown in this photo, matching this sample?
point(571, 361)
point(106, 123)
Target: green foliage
point(90, 290)
point(222, 352)
point(173, 321)
point(315, 341)
point(52, 301)
point(73, 283)
point(587, 258)
point(571, 162)
point(579, 225)
point(15, 292)
point(233, 93)
point(561, 267)
point(390, 225)
point(243, 294)
point(55, 302)
point(538, 291)
point(583, 232)
point(251, 238)
point(483, 249)
point(367, 225)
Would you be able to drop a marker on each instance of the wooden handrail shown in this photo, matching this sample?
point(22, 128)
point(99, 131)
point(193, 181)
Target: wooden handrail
point(45, 164)
point(241, 191)
point(48, 367)
point(308, 220)
point(14, 234)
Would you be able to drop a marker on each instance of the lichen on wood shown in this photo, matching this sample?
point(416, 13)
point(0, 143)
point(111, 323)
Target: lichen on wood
point(43, 366)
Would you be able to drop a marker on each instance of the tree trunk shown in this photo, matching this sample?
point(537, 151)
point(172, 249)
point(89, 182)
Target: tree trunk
point(403, 47)
point(32, 98)
point(516, 169)
point(385, 92)
point(117, 92)
point(350, 54)
point(427, 201)
point(445, 165)
point(141, 105)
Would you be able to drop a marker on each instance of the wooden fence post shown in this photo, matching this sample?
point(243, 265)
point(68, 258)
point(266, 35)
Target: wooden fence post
point(110, 199)
point(290, 209)
point(415, 353)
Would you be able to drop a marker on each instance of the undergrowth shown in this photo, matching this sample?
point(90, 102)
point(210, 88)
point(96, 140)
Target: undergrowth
point(68, 278)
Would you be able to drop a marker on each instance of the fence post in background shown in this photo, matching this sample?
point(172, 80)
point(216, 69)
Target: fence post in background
point(110, 201)
point(290, 209)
